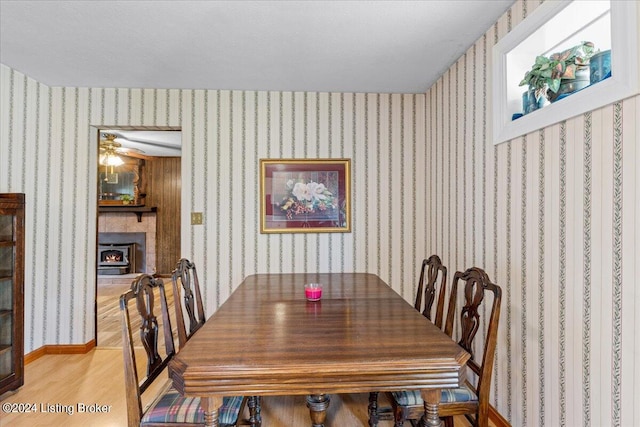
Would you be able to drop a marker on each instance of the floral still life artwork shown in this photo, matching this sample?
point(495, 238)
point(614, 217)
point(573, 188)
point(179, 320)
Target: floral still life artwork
point(309, 198)
point(305, 195)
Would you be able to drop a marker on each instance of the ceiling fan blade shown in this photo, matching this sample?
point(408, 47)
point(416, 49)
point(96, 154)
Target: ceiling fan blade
point(125, 150)
point(149, 144)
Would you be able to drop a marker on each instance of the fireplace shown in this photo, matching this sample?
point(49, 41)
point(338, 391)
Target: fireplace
point(121, 253)
point(116, 258)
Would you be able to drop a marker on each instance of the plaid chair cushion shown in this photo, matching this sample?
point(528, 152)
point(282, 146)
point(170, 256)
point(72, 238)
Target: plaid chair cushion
point(450, 395)
point(172, 407)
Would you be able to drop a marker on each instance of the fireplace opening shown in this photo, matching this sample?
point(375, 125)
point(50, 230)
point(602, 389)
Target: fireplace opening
point(121, 253)
point(116, 258)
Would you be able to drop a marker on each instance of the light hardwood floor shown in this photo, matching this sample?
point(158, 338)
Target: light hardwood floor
point(109, 318)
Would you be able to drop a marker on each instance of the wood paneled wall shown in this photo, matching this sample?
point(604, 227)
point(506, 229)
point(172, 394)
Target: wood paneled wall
point(163, 191)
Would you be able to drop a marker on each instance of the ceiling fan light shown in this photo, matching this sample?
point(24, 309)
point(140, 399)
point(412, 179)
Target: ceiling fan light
point(114, 160)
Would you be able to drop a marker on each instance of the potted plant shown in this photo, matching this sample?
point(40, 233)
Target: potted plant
point(547, 73)
point(126, 199)
point(538, 77)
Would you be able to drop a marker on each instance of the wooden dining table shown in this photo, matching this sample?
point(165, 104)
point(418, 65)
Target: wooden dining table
point(361, 336)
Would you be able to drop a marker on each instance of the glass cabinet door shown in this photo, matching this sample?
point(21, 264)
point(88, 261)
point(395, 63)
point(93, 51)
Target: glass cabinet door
point(11, 291)
point(7, 253)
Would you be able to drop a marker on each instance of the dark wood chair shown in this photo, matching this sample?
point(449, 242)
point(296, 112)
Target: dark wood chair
point(435, 287)
point(472, 398)
point(154, 335)
point(186, 290)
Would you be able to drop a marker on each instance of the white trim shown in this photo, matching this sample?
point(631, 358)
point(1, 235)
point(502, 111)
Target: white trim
point(622, 84)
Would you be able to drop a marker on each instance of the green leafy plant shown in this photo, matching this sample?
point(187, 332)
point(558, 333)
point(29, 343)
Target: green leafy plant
point(547, 72)
point(126, 198)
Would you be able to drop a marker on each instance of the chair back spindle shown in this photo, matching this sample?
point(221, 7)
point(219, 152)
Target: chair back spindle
point(434, 287)
point(185, 284)
point(481, 298)
point(144, 290)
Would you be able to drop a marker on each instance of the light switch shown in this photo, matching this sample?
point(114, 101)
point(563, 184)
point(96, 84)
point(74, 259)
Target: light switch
point(196, 218)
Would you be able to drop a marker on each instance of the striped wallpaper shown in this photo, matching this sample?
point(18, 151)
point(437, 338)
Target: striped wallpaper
point(231, 130)
point(553, 216)
point(49, 151)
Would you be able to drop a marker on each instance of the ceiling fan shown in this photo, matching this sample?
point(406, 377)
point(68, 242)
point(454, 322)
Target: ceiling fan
point(114, 142)
point(147, 144)
point(109, 150)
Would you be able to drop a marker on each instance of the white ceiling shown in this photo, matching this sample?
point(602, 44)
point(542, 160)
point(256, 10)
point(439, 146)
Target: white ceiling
point(325, 46)
point(149, 143)
point(315, 46)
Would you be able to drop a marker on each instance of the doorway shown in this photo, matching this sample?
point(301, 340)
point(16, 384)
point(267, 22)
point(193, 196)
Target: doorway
point(153, 213)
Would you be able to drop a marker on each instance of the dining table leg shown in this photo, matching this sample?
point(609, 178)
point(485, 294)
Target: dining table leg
point(431, 400)
point(318, 404)
point(210, 407)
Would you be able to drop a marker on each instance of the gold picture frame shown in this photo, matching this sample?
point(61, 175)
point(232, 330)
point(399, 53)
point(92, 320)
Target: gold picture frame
point(305, 195)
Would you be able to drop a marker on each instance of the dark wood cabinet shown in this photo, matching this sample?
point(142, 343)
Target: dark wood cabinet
point(11, 291)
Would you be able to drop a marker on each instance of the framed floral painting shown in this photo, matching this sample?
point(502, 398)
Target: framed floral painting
point(305, 196)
